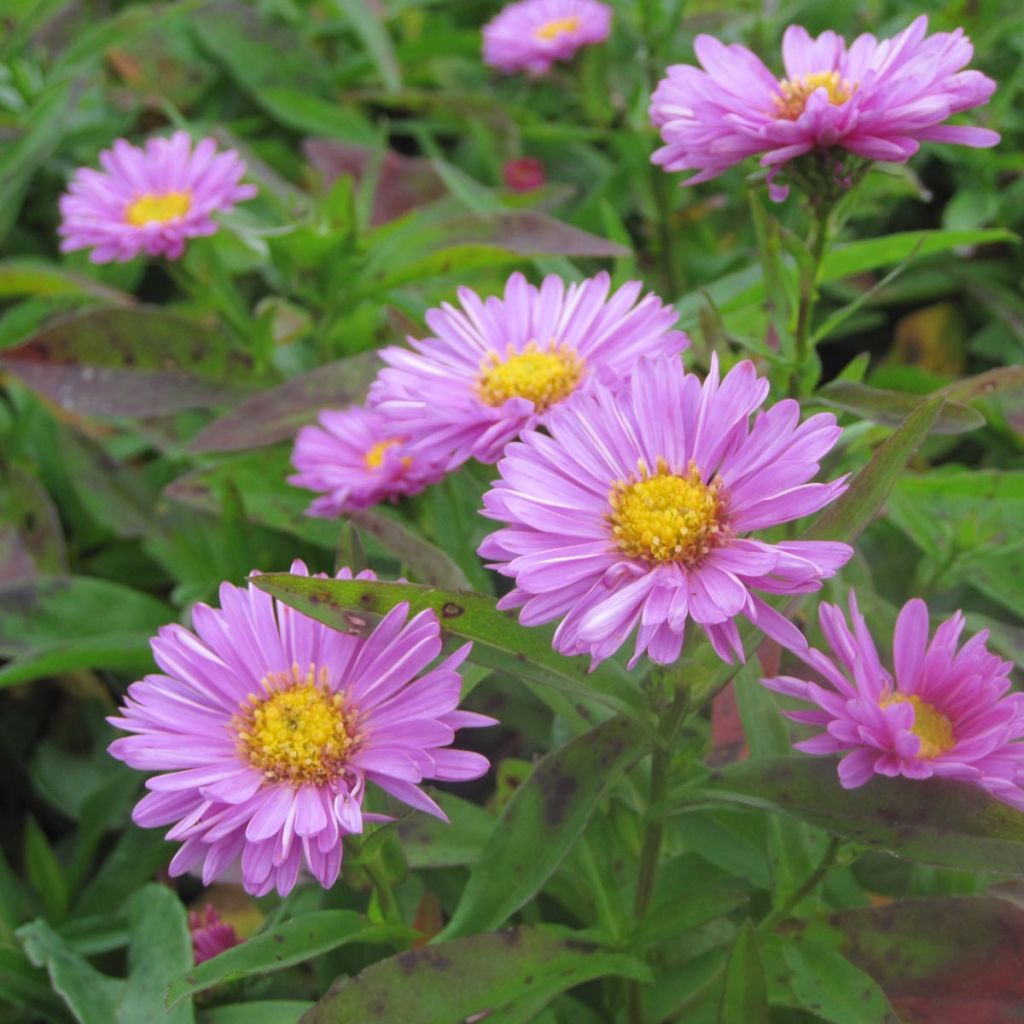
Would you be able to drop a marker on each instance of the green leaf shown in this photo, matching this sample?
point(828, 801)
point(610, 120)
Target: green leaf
point(28, 986)
point(451, 981)
point(91, 997)
point(374, 35)
point(24, 277)
point(160, 948)
point(540, 824)
point(129, 362)
point(937, 822)
point(891, 408)
point(285, 945)
point(45, 872)
point(826, 983)
point(744, 998)
point(428, 842)
point(498, 641)
point(847, 517)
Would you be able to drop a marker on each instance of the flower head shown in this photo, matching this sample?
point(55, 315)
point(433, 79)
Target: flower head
point(940, 712)
point(356, 461)
point(150, 199)
point(498, 367)
point(532, 34)
point(877, 100)
point(524, 174)
point(634, 513)
point(210, 935)
point(268, 725)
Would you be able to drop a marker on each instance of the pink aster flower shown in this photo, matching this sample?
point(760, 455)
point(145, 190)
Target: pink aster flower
point(635, 513)
point(355, 460)
point(210, 935)
point(532, 34)
point(150, 199)
point(268, 725)
point(941, 712)
point(498, 367)
point(875, 99)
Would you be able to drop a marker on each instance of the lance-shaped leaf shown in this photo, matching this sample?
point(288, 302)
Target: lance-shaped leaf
point(499, 642)
point(847, 517)
point(949, 824)
point(277, 414)
point(744, 994)
point(541, 822)
point(129, 361)
point(285, 945)
point(891, 408)
point(452, 981)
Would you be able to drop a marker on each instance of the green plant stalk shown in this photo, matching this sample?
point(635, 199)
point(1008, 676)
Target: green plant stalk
point(654, 833)
point(817, 244)
point(382, 888)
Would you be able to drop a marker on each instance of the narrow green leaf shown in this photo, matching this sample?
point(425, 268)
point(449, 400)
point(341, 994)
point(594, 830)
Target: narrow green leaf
point(451, 981)
point(891, 408)
point(28, 987)
point(45, 872)
point(541, 822)
point(285, 945)
point(428, 842)
point(498, 641)
point(271, 1011)
point(160, 948)
point(847, 517)
point(744, 998)
point(948, 824)
point(375, 37)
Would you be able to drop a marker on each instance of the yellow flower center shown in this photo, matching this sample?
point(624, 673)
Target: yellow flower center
point(795, 92)
point(931, 726)
point(374, 458)
point(544, 376)
point(551, 30)
point(153, 209)
point(665, 517)
point(300, 732)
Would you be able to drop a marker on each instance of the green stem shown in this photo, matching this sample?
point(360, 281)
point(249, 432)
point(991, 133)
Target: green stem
point(817, 243)
point(654, 833)
point(810, 883)
point(382, 888)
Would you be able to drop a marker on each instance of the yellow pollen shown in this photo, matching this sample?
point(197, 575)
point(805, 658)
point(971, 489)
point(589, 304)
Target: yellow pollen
point(795, 92)
point(154, 209)
point(544, 376)
point(374, 458)
point(551, 30)
point(931, 726)
point(665, 517)
point(300, 732)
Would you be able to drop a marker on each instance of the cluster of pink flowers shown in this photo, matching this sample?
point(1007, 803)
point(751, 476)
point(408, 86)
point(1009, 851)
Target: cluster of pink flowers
point(633, 496)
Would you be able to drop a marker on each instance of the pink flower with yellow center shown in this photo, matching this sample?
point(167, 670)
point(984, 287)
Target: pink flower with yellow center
point(876, 100)
point(639, 510)
point(150, 199)
point(532, 34)
point(355, 460)
point(267, 727)
point(939, 711)
point(499, 366)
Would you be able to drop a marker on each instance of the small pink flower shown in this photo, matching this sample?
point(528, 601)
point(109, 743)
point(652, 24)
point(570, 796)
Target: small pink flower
point(210, 935)
point(268, 725)
point(151, 199)
point(498, 366)
point(940, 712)
point(356, 461)
point(524, 174)
point(877, 100)
point(532, 34)
point(639, 509)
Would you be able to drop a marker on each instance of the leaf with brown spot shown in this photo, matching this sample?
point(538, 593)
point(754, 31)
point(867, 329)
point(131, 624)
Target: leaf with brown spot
point(448, 982)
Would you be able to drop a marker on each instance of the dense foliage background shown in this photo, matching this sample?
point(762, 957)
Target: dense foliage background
point(146, 421)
